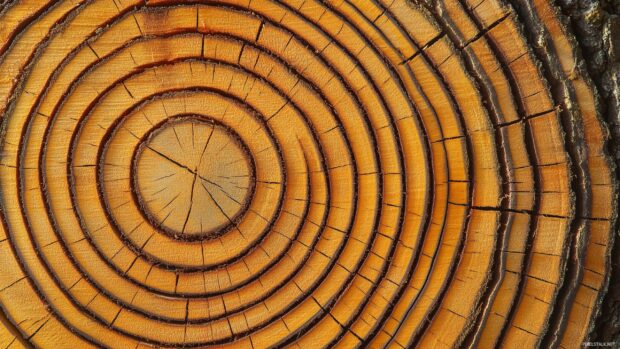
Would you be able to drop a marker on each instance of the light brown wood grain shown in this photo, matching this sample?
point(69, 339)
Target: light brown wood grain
point(299, 173)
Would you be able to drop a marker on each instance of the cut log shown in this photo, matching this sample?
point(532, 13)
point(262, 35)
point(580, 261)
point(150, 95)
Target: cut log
point(258, 174)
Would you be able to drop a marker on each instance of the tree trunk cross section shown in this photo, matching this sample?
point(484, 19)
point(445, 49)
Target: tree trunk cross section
point(305, 174)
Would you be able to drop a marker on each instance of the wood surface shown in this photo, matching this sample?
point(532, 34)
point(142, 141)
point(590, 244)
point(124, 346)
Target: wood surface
point(299, 173)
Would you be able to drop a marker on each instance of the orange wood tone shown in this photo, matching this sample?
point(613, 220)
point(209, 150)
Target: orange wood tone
point(309, 174)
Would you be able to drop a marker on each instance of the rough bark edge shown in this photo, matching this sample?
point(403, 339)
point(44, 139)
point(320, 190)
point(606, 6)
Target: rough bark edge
point(596, 25)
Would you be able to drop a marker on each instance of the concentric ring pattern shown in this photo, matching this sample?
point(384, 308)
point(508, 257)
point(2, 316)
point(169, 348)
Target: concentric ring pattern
point(254, 174)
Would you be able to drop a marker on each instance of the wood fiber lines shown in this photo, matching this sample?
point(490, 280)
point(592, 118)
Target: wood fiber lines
point(299, 173)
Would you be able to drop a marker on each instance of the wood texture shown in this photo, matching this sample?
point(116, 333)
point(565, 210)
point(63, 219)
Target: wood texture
point(257, 174)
